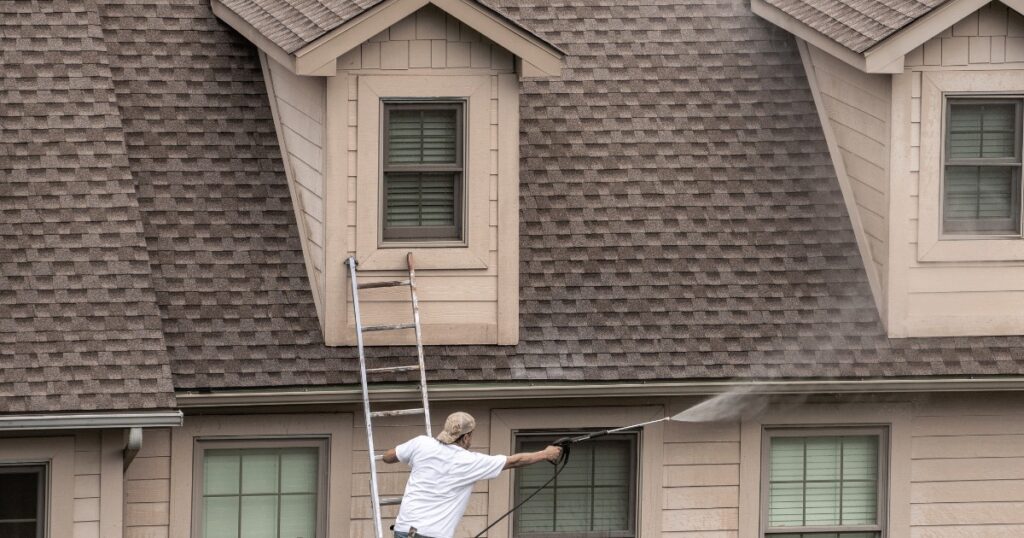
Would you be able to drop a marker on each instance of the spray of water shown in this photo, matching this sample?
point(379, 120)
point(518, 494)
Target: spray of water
point(741, 403)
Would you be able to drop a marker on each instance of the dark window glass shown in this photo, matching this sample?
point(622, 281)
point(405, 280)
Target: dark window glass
point(594, 496)
point(423, 171)
point(982, 170)
point(22, 501)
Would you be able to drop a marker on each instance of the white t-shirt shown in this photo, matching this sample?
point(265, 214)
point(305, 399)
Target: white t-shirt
point(440, 484)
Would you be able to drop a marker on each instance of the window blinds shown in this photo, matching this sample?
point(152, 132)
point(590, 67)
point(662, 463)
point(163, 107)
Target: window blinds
point(422, 136)
point(260, 493)
point(823, 481)
point(593, 493)
point(419, 199)
point(981, 188)
point(422, 171)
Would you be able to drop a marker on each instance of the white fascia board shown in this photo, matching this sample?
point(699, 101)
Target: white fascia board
point(508, 391)
point(86, 421)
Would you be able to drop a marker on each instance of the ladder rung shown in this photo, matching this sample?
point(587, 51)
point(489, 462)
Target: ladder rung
point(384, 284)
point(369, 328)
point(391, 369)
point(397, 412)
point(390, 501)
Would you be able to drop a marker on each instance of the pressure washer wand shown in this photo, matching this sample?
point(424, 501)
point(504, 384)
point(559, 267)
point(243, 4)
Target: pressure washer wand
point(602, 433)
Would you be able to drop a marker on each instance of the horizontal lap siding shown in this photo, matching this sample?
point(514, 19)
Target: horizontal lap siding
point(147, 487)
point(858, 108)
point(429, 42)
point(960, 298)
point(701, 480)
point(967, 469)
point(300, 109)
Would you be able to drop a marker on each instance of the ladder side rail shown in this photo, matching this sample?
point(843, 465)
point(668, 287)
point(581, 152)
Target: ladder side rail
point(378, 526)
point(419, 343)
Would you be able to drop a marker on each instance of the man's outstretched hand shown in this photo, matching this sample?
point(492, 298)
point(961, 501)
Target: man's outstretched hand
point(552, 453)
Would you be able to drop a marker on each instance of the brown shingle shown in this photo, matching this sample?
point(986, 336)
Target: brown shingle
point(79, 326)
point(856, 24)
point(680, 216)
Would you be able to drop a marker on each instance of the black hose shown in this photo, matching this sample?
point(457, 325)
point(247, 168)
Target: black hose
point(562, 463)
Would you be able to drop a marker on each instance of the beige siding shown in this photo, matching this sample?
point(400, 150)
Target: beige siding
point(858, 108)
point(147, 488)
point(298, 104)
point(938, 298)
point(460, 304)
point(968, 469)
point(958, 458)
point(701, 480)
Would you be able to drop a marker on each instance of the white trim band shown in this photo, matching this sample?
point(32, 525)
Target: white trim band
point(78, 421)
point(506, 391)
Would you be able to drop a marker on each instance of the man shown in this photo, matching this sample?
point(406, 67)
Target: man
point(443, 474)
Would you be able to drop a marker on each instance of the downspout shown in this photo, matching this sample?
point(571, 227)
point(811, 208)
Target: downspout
point(132, 448)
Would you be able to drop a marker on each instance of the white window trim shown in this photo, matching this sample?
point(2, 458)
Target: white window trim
point(896, 417)
point(336, 428)
point(505, 422)
point(931, 244)
point(473, 251)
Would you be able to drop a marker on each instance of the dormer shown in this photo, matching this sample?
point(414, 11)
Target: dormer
point(398, 122)
point(922, 105)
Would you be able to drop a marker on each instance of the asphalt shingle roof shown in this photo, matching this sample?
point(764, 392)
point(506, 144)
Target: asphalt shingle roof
point(857, 24)
point(680, 217)
point(79, 324)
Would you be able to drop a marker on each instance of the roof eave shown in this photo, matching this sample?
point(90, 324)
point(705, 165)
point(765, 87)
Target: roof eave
point(83, 421)
point(783, 20)
point(351, 394)
point(537, 56)
point(887, 55)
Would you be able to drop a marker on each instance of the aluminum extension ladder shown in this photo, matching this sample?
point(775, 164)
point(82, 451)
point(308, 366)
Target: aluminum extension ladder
point(375, 498)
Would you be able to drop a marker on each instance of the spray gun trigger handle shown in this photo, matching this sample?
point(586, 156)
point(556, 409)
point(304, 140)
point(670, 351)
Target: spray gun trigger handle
point(563, 443)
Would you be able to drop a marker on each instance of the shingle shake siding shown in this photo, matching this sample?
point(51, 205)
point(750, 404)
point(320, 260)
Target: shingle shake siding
point(680, 217)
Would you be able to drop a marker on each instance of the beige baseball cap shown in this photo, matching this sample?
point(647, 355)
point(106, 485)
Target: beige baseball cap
point(457, 425)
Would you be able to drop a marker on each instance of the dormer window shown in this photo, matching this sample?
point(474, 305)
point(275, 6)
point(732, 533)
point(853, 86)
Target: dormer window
point(423, 171)
point(982, 168)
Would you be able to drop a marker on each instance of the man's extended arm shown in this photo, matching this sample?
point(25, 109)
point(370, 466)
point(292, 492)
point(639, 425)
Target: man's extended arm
point(551, 453)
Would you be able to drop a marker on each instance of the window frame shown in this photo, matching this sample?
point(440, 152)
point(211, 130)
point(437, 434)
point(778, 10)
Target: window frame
point(201, 445)
point(42, 471)
point(882, 495)
point(423, 235)
point(950, 99)
point(634, 484)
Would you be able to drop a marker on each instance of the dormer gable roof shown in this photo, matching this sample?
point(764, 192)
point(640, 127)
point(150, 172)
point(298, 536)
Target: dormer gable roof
point(307, 36)
point(871, 35)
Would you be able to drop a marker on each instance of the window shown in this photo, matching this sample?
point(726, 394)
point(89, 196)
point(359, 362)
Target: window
point(259, 489)
point(982, 167)
point(594, 496)
point(423, 171)
point(823, 484)
point(22, 501)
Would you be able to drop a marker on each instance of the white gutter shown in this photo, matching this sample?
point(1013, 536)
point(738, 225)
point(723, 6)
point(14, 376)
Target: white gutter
point(506, 391)
point(80, 421)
